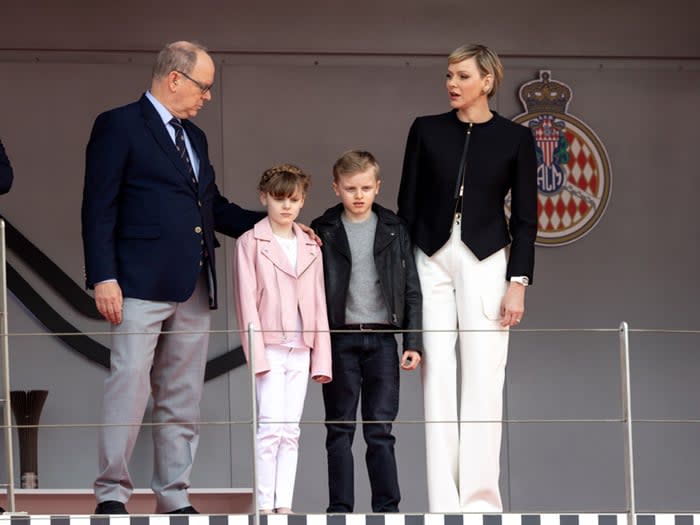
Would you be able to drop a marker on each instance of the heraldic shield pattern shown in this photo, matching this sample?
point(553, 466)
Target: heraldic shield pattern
point(573, 169)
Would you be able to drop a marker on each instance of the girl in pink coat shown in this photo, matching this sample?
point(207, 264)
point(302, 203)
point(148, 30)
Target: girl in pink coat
point(279, 289)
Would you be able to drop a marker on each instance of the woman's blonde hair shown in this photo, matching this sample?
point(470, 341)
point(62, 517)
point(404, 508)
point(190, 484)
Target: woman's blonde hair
point(284, 180)
point(486, 59)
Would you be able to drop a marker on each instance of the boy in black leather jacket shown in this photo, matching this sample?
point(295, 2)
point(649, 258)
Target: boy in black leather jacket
point(372, 290)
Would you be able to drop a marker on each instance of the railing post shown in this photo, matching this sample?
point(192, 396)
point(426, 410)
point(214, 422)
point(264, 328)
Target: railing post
point(4, 344)
point(627, 418)
point(254, 405)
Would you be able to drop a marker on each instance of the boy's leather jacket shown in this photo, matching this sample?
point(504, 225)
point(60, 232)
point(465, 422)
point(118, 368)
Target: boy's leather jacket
point(393, 257)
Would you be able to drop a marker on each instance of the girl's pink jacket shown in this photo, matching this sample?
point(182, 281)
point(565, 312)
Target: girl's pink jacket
point(269, 292)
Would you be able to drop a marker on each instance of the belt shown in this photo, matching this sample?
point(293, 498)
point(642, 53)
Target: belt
point(364, 327)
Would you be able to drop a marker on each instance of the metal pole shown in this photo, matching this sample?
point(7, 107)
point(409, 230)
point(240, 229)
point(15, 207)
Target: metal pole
point(4, 344)
point(627, 417)
point(254, 426)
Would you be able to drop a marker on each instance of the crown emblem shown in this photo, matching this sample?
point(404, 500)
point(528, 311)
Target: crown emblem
point(545, 95)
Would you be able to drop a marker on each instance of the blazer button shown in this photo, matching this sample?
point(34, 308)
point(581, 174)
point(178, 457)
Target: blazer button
point(198, 229)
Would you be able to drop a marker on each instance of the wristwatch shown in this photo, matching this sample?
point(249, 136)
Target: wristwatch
point(520, 279)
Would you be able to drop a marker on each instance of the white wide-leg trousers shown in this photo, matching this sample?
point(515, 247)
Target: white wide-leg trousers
point(463, 459)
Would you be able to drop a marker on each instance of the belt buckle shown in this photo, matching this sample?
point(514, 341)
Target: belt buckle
point(362, 328)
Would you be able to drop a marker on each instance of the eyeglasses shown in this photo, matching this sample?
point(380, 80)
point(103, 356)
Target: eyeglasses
point(203, 88)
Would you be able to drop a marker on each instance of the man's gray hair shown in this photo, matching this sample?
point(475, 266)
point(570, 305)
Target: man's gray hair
point(177, 56)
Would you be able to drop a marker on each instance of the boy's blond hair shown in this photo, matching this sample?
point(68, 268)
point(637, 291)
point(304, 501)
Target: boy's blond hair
point(354, 161)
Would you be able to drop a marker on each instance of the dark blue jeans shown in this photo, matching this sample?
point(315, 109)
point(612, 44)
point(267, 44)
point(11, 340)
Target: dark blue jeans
point(366, 365)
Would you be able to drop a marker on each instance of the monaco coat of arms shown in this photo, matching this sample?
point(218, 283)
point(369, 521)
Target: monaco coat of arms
point(573, 168)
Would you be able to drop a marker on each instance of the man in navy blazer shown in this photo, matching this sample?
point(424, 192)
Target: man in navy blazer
point(150, 209)
point(5, 171)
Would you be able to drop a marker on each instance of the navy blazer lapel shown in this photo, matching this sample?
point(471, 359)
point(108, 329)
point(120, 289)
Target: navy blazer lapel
point(160, 134)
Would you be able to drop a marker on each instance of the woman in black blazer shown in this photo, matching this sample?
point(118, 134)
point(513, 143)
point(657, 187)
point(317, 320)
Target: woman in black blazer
point(474, 265)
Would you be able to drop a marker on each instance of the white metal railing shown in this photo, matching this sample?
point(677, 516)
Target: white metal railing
point(254, 422)
point(627, 417)
point(626, 405)
point(625, 392)
point(5, 356)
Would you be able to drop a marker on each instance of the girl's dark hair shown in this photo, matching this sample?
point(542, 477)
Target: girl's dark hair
point(284, 180)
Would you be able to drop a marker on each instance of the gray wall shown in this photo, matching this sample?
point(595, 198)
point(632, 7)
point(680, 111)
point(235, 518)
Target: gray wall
point(301, 83)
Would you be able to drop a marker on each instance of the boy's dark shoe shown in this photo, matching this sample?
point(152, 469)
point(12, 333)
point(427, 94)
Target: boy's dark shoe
point(111, 507)
point(184, 510)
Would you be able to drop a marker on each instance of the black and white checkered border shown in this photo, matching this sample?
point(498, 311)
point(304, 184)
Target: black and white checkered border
point(359, 519)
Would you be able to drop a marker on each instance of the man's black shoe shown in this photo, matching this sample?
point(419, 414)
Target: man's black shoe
point(111, 507)
point(184, 510)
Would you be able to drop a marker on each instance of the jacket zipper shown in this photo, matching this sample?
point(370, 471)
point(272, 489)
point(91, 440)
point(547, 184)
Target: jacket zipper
point(461, 176)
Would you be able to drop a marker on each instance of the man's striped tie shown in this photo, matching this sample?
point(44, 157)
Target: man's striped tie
point(180, 145)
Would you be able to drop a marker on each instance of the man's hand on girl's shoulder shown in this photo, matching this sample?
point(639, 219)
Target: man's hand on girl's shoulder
point(308, 231)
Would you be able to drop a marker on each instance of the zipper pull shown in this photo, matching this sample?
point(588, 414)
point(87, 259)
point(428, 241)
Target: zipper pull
point(459, 189)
